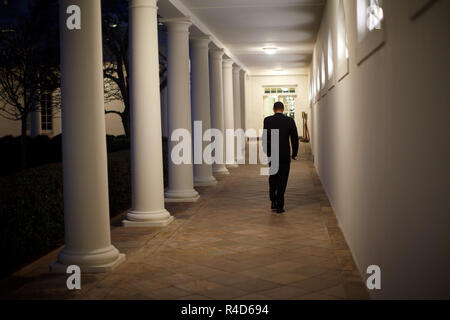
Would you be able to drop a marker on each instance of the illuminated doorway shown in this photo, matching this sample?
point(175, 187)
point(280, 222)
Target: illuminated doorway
point(287, 95)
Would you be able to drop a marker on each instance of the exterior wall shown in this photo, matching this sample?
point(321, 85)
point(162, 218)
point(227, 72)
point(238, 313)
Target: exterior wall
point(9, 127)
point(254, 112)
point(113, 123)
point(381, 145)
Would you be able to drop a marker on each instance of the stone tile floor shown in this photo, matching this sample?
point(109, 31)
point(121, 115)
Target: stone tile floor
point(228, 245)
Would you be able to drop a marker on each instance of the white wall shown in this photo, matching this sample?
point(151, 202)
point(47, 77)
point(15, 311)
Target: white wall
point(113, 123)
point(381, 145)
point(255, 97)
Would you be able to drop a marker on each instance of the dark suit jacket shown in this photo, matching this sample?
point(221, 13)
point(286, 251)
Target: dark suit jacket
point(287, 130)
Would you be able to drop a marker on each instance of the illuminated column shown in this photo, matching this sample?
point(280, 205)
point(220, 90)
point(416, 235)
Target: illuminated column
point(86, 206)
point(228, 107)
point(243, 104)
point(181, 176)
point(216, 86)
point(147, 184)
point(240, 157)
point(201, 107)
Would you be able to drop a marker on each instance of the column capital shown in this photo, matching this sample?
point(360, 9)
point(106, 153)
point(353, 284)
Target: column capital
point(236, 68)
point(227, 63)
point(142, 4)
point(202, 41)
point(217, 54)
point(179, 24)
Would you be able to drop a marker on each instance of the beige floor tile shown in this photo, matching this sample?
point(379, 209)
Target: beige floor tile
point(252, 297)
point(315, 296)
point(285, 278)
point(224, 293)
point(169, 293)
point(228, 245)
point(255, 285)
point(316, 284)
point(198, 286)
point(284, 293)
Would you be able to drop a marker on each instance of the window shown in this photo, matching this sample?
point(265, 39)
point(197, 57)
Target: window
point(46, 112)
point(342, 43)
point(317, 79)
point(370, 25)
point(285, 95)
point(322, 73)
point(330, 60)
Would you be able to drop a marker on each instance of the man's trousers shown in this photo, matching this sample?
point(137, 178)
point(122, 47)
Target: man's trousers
point(278, 184)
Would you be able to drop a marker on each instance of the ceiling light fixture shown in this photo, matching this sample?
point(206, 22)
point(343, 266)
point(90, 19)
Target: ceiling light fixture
point(270, 50)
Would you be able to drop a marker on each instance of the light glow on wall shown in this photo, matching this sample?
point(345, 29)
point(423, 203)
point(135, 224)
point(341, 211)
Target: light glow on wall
point(330, 56)
point(342, 46)
point(317, 78)
point(322, 67)
point(270, 50)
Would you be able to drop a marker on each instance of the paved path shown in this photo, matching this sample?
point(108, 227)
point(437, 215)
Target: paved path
point(228, 245)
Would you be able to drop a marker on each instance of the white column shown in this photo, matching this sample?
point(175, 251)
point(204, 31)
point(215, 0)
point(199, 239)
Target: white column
point(228, 107)
point(240, 156)
point(147, 182)
point(216, 90)
point(243, 76)
point(86, 206)
point(201, 108)
point(181, 176)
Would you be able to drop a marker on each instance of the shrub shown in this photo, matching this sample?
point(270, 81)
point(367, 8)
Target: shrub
point(32, 212)
point(32, 215)
point(31, 202)
point(43, 150)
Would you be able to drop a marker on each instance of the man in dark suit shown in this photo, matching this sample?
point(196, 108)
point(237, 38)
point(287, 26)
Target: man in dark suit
point(287, 130)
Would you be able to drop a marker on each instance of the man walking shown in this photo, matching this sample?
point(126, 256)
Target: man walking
point(287, 131)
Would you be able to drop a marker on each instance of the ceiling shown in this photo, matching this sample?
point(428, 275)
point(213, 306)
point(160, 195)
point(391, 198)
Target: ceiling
point(244, 27)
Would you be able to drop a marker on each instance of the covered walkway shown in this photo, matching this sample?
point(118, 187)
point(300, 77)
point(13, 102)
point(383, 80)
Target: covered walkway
point(228, 245)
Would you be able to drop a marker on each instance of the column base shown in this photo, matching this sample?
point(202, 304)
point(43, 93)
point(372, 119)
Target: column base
point(232, 166)
point(137, 219)
point(180, 196)
point(221, 171)
point(89, 263)
point(205, 181)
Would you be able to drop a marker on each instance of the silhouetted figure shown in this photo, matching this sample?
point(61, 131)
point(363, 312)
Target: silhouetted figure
point(287, 131)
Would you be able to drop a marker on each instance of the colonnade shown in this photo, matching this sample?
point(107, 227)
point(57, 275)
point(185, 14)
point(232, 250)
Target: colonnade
point(205, 87)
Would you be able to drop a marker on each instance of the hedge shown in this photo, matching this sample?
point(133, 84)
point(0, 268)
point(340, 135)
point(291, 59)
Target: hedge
point(42, 150)
point(31, 206)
